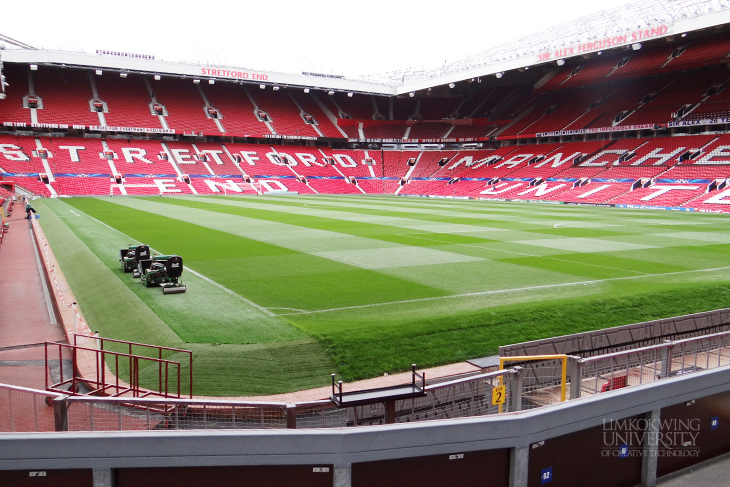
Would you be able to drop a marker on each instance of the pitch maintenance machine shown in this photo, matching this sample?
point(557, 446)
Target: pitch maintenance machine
point(130, 257)
point(163, 271)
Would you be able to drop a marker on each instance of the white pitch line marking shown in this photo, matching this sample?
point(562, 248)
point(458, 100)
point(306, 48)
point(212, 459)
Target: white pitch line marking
point(502, 291)
point(74, 212)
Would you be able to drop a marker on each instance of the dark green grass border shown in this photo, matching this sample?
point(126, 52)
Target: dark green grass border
point(439, 341)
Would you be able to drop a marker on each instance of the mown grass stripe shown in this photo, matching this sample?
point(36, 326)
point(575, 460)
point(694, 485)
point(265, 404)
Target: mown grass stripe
point(262, 272)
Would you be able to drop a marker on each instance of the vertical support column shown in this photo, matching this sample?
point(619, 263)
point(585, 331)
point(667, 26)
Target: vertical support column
point(291, 416)
point(103, 478)
point(518, 462)
point(515, 385)
point(651, 449)
point(666, 360)
point(574, 372)
point(389, 412)
point(342, 476)
point(60, 414)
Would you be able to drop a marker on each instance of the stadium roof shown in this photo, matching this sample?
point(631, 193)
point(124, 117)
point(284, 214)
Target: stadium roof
point(580, 36)
point(640, 21)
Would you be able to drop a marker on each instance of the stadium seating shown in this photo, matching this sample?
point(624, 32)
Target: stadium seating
point(260, 160)
point(429, 130)
point(427, 164)
point(74, 155)
point(184, 105)
point(703, 52)
point(310, 105)
point(188, 158)
point(439, 108)
point(66, 94)
point(573, 111)
point(287, 117)
point(356, 108)
point(471, 131)
point(237, 110)
point(379, 186)
point(617, 65)
point(16, 155)
point(396, 163)
point(661, 195)
point(128, 101)
point(386, 131)
point(75, 186)
point(11, 109)
point(246, 139)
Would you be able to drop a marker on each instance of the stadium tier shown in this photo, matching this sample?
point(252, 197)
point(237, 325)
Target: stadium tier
point(629, 126)
point(128, 102)
point(76, 166)
point(321, 117)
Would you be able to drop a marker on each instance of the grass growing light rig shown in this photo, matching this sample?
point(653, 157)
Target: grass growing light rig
point(163, 271)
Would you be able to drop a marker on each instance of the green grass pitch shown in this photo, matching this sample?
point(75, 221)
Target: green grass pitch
point(284, 290)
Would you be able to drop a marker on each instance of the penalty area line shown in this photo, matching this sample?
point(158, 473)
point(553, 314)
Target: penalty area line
point(501, 291)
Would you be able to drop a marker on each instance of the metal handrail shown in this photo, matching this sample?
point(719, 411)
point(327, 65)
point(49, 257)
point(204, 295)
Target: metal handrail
point(654, 347)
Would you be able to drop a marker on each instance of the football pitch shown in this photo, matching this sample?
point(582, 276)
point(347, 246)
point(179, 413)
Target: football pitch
point(285, 290)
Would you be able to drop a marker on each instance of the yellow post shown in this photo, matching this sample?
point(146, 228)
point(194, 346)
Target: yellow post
point(523, 358)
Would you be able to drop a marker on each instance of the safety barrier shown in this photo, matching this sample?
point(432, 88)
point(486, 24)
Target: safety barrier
point(465, 397)
point(519, 388)
point(594, 375)
point(26, 410)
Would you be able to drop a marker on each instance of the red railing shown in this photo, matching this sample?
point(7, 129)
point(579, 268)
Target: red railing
point(97, 368)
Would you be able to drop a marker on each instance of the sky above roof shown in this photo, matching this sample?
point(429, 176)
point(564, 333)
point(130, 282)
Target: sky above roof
point(322, 36)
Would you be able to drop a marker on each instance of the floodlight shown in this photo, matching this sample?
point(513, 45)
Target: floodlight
point(211, 81)
point(684, 34)
point(34, 67)
point(330, 92)
point(263, 87)
point(636, 46)
point(122, 75)
point(411, 94)
point(499, 75)
point(306, 90)
point(349, 95)
point(196, 81)
point(560, 62)
point(451, 85)
point(98, 72)
point(276, 88)
point(158, 77)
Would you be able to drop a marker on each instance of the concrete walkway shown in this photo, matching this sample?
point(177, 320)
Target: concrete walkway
point(27, 317)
